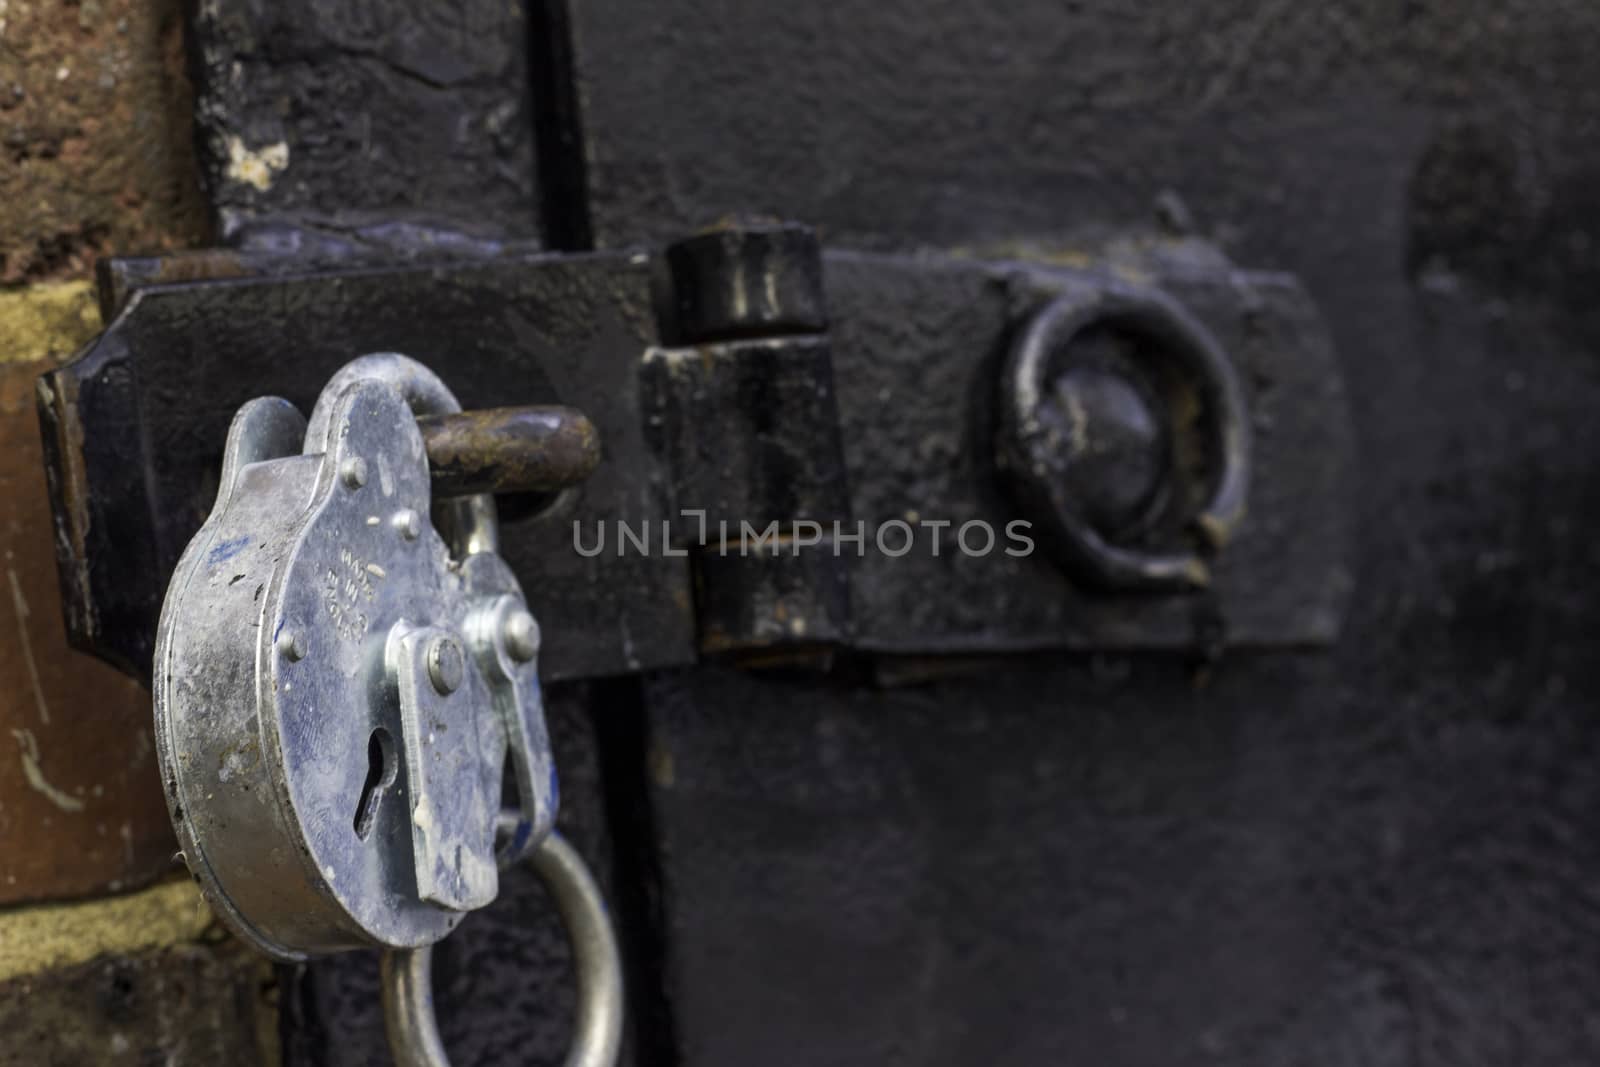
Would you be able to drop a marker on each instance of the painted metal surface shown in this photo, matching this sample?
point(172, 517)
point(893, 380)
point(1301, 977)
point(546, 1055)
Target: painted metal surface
point(884, 423)
point(1376, 853)
point(1372, 852)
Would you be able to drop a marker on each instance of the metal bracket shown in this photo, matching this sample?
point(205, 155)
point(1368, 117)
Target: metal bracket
point(744, 374)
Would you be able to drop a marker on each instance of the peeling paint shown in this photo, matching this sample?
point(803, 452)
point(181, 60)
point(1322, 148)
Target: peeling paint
point(21, 605)
point(256, 167)
point(35, 776)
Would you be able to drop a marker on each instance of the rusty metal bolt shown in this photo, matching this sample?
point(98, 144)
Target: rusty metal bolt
point(538, 448)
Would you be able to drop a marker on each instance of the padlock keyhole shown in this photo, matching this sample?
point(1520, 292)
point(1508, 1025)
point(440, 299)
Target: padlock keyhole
point(382, 768)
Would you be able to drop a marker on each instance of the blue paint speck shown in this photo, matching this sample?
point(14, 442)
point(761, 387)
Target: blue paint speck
point(227, 550)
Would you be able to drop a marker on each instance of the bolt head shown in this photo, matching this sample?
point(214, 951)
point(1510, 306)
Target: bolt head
point(1111, 449)
point(353, 471)
point(447, 665)
point(409, 523)
point(522, 635)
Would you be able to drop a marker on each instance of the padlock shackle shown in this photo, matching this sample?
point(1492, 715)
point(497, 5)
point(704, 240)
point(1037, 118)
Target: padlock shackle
point(469, 523)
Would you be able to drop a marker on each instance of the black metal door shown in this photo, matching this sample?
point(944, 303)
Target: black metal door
point(1374, 850)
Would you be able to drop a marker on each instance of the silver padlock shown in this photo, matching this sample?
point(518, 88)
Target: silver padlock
point(337, 687)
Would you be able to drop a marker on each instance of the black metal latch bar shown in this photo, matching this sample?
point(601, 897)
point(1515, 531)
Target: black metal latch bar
point(1126, 443)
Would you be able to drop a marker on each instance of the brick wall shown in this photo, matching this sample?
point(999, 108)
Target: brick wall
point(95, 156)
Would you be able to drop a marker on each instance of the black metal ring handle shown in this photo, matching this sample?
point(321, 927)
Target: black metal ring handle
point(1026, 449)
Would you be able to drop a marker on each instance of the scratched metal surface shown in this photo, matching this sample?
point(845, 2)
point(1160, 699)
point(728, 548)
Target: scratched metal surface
point(503, 981)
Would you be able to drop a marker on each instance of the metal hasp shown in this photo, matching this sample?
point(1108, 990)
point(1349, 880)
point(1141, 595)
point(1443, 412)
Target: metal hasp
point(151, 396)
point(743, 411)
point(750, 391)
point(337, 687)
point(925, 357)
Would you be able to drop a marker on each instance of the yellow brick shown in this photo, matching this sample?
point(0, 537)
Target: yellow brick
point(43, 938)
point(46, 322)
